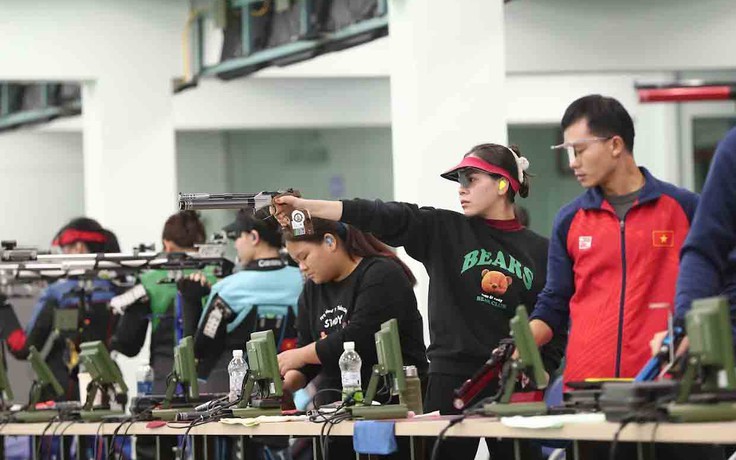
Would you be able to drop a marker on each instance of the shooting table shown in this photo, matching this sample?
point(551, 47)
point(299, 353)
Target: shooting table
point(696, 433)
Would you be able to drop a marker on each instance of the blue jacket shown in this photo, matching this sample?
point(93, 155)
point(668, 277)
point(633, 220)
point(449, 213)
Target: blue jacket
point(61, 293)
point(95, 319)
point(708, 258)
point(248, 288)
point(268, 288)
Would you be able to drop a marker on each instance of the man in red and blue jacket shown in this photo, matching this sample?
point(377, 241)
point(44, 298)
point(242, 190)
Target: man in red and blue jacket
point(614, 250)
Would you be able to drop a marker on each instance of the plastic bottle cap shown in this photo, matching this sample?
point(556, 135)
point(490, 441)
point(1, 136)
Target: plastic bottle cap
point(237, 353)
point(348, 346)
point(411, 371)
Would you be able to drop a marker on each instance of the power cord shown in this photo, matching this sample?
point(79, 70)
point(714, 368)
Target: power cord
point(125, 438)
point(97, 449)
point(327, 429)
point(329, 419)
point(72, 422)
point(212, 415)
point(59, 425)
point(64, 430)
point(652, 445)
point(4, 421)
point(649, 415)
point(472, 410)
point(193, 424)
point(39, 448)
point(385, 390)
point(111, 447)
point(614, 444)
point(130, 420)
point(441, 436)
point(64, 415)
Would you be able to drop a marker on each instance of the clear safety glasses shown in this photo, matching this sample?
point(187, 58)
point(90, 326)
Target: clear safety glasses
point(570, 147)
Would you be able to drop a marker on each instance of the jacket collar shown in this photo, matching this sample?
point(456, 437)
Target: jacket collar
point(271, 263)
point(593, 198)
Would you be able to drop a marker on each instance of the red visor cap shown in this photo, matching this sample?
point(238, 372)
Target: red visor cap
point(71, 236)
point(477, 163)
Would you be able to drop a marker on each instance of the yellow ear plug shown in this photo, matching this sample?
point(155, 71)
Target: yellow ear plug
point(502, 184)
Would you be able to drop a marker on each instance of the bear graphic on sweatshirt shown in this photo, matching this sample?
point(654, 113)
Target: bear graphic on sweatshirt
point(494, 282)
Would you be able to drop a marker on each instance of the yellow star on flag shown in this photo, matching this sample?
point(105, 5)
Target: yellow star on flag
point(663, 238)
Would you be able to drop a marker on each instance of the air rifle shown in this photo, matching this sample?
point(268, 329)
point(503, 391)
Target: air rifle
point(652, 370)
point(490, 371)
point(51, 267)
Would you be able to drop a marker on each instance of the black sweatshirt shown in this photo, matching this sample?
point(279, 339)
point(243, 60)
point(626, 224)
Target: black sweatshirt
point(352, 310)
point(478, 276)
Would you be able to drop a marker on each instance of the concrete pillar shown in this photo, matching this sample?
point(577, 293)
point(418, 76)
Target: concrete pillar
point(447, 90)
point(129, 155)
point(447, 95)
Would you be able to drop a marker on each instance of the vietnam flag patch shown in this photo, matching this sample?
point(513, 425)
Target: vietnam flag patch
point(663, 238)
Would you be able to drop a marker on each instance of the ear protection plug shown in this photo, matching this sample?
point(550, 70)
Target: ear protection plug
point(329, 240)
point(502, 184)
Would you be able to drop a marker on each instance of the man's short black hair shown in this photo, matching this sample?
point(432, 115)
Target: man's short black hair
point(605, 115)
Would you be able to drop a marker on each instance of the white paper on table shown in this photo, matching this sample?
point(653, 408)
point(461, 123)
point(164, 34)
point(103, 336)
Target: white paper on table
point(264, 419)
point(428, 415)
point(551, 421)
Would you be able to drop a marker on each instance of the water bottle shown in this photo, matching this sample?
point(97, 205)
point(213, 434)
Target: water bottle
point(350, 363)
point(144, 377)
point(412, 397)
point(237, 370)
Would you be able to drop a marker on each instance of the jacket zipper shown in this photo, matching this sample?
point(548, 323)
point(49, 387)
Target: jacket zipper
point(623, 298)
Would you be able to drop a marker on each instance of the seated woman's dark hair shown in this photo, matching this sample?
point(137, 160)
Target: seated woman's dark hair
point(356, 243)
point(184, 229)
point(266, 225)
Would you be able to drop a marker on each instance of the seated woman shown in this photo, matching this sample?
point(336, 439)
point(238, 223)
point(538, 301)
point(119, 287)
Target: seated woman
point(262, 295)
point(182, 232)
point(84, 304)
point(88, 305)
point(158, 306)
point(354, 284)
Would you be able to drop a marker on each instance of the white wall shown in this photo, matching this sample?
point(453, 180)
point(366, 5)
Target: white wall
point(283, 103)
point(84, 39)
point(202, 166)
point(328, 164)
point(126, 54)
point(41, 184)
point(545, 36)
point(274, 103)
